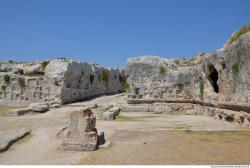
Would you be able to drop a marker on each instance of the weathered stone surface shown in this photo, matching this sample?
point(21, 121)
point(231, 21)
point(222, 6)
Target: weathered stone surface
point(10, 137)
point(18, 112)
point(85, 141)
point(81, 132)
point(108, 115)
point(116, 110)
point(39, 107)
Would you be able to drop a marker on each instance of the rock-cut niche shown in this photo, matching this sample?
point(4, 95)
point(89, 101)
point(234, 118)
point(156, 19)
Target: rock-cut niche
point(213, 77)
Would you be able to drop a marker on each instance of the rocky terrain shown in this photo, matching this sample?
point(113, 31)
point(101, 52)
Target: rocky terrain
point(174, 111)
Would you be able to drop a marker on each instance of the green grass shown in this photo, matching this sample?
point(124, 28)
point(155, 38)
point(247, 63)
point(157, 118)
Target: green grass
point(242, 31)
point(105, 75)
point(6, 78)
point(44, 64)
point(163, 70)
point(177, 62)
point(125, 86)
point(235, 69)
point(180, 86)
point(21, 82)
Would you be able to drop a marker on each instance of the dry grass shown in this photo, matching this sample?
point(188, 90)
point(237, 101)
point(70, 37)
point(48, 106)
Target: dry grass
point(5, 108)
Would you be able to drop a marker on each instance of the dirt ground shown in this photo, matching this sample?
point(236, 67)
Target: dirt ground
point(135, 138)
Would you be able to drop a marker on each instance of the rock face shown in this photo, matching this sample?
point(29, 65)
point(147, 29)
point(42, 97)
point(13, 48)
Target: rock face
point(9, 138)
point(56, 81)
point(221, 77)
point(81, 134)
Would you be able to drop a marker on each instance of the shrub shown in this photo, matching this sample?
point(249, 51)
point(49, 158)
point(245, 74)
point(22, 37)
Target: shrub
point(91, 78)
point(44, 64)
point(180, 86)
point(235, 69)
point(202, 89)
point(122, 79)
point(163, 70)
point(125, 86)
point(136, 90)
point(105, 75)
point(237, 34)
point(7, 78)
point(3, 87)
point(21, 82)
point(177, 62)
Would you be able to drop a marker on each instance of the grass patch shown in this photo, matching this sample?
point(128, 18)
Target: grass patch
point(21, 82)
point(105, 75)
point(6, 78)
point(163, 70)
point(242, 31)
point(235, 69)
point(177, 62)
point(5, 108)
point(44, 64)
point(125, 86)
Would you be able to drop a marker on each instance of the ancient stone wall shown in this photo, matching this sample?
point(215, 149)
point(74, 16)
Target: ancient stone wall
point(61, 81)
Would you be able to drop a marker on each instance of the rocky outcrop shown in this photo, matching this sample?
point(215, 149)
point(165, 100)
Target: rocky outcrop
point(10, 137)
point(218, 79)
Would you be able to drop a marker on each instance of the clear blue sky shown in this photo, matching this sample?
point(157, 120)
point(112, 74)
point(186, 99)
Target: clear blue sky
point(109, 31)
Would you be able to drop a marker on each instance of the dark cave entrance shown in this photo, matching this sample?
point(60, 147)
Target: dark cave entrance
point(213, 77)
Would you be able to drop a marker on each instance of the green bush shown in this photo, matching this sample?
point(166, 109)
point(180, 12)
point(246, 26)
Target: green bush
point(44, 64)
point(62, 58)
point(7, 78)
point(91, 78)
point(136, 90)
point(242, 31)
point(125, 86)
point(180, 86)
point(21, 82)
point(177, 62)
point(163, 70)
point(105, 75)
point(202, 89)
point(235, 69)
point(3, 87)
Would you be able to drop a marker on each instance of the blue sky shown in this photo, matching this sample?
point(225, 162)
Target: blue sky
point(109, 31)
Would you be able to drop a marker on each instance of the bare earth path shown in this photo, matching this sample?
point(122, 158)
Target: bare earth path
point(136, 138)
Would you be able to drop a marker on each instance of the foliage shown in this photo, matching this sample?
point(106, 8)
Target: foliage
point(177, 62)
point(21, 82)
point(136, 90)
point(3, 87)
point(125, 86)
point(180, 86)
point(235, 69)
point(44, 64)
point(163, 70)
point(202, 89)
point(105, 75)
point(122, 79)
point(237, 34)
point(91, 78)
point(7, 78)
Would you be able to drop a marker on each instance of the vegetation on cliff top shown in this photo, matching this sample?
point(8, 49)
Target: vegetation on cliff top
point(237, 34)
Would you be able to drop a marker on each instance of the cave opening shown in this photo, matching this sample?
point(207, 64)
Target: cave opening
point(213, 77)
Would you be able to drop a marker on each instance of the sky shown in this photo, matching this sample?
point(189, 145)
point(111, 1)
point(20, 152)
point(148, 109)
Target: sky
point(108, 32)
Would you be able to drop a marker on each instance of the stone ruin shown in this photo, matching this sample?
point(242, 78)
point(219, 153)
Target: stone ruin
point(81, 133)
point(219, 79)
point(56, 82)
